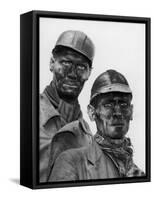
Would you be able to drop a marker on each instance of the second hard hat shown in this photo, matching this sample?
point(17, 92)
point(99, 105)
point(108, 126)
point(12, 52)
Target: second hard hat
point(110, 81)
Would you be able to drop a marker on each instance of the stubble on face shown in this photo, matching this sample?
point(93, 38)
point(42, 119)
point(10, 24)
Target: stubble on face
point(110, 123)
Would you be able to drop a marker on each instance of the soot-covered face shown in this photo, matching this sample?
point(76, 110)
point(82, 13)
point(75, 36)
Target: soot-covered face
point(70, 71)
point(113, 114)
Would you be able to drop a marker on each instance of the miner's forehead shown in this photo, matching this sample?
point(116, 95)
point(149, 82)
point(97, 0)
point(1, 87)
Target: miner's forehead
point(70, 54)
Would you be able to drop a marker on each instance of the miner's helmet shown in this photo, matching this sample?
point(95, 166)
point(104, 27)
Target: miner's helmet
point(110, 81)
point(77, 41)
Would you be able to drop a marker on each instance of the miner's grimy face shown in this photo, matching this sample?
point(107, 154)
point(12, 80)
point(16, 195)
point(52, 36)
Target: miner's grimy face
point(70, 70)
point(113, 114)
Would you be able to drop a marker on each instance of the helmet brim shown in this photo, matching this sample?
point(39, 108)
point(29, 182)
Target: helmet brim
point(112, 88)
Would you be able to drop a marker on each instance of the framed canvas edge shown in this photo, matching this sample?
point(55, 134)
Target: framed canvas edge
point(35, 97)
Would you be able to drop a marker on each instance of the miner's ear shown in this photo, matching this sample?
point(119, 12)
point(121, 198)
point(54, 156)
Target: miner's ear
point(90, 70)
point(86, 77)
point(91, 112)
point(131, 109)
point(52, 62)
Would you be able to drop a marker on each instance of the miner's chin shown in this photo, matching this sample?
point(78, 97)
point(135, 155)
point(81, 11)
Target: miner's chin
point(69, 95)
point(118, 132)
point(70, 91)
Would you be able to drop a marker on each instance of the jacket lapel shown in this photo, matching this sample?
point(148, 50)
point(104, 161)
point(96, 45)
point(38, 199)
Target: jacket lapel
point(47, 111)
point(93, 153)
point(99, 166)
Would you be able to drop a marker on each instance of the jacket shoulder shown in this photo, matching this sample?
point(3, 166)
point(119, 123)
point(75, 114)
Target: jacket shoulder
point(70, 136)
point(76, 127)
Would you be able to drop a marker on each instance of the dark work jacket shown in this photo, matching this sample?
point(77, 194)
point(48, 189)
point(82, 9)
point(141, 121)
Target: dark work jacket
point(83, 164)
point(73, 135)
point(87, 163)
point(51, 122)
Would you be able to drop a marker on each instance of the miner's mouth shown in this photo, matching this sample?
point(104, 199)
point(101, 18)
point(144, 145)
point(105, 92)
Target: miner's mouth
point(118, 124)
point(70, 85)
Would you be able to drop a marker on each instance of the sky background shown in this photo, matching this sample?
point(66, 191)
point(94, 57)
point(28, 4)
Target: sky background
point(118, 46)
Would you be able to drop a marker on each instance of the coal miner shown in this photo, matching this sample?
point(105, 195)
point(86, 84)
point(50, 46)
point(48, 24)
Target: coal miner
point(110, 155)
point(71, 65)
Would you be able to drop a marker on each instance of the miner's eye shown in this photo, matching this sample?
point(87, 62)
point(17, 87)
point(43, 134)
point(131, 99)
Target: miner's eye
point(108, 105)
point(81, 67)
point(124, 104)
point(66, 63)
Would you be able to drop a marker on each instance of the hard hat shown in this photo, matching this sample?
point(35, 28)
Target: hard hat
point(110, 81)
point(77, 41)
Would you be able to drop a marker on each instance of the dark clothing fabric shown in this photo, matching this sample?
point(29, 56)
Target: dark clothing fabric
point(119, 149)
point(69, 111)
point(83, 164)
point(88, 163)
point(53, 116)
point(73, 135)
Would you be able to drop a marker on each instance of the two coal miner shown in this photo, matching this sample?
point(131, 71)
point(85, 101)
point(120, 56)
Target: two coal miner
point(68, 149)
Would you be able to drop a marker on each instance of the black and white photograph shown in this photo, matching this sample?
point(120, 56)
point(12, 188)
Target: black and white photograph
point(92, 102)
point(76, 100)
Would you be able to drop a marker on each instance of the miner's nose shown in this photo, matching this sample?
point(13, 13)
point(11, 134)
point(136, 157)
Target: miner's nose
point(117, 111)
point(72, 72)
